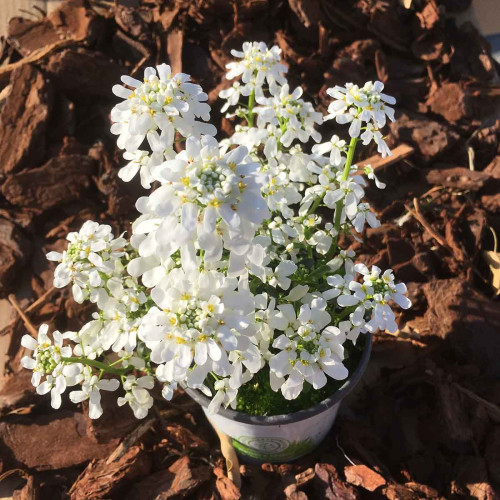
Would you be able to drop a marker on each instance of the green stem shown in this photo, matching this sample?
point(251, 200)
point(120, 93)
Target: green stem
point(340, 204)
point(315, 205)
point(345, 313)
point(116, 362)
point(318, 273)
point(251, 102)
point(97, 364)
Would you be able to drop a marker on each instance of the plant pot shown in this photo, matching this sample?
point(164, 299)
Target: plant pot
point(282, 438)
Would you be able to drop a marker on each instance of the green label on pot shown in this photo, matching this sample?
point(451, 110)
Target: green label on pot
point(272, 448)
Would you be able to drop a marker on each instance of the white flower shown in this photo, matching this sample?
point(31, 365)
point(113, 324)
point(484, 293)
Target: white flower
point(372, 133)
point(373, 295)
point(278, 190)
point(119, 330)
point(308, 352)
point(88, 339)
point(201, 318)
point(137, 394)
point(335, 146)
point(368, 170)
point(364, 214)
point(350, 192)
point(344, 258)
point(257, 61)
point(168, 389)
point(282, 232)
point(138, 162)
point(90, 390)
point(225, 395)
point(162, 101)
point(285, 110)
point(280, 276)
point(245, 363)
point(251, 138)
point(356, 106)
point(340, 285)
point(57, 383)
point(351, 331)
point(208, 198)
point(92, 251)
point(143, 162)
point(298, 165)
point(232, 94)
point(384, 282)
point(382, 317)
point(321, 241)
point(297, 292)
point(48, 361)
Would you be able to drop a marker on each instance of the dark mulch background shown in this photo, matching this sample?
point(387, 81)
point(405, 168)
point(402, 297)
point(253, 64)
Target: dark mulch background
point(425, 422)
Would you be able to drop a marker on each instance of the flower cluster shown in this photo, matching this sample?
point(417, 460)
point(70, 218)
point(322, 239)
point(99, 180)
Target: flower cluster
point(234, 263)
point(93, 253)
point(165, 102)
point(366, 105)
point(49, 363)
point(206, 199)
point(310, 349)
point(201, 324)
point(258, 65)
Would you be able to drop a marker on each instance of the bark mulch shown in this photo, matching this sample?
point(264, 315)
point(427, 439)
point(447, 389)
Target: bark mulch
point(425, 422)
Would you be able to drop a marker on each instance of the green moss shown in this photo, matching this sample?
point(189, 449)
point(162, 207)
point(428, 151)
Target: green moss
point(257, 398)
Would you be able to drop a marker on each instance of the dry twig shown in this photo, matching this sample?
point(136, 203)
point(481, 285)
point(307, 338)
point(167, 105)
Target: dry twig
point(492, 408)
point(31, 308)
point(27, 322)
point(417, 214)
point(37, 55)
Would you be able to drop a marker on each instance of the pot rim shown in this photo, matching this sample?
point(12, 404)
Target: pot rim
point(290, 418)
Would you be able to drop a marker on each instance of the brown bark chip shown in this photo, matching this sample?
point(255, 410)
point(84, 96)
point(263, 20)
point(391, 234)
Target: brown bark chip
point(225, 487)
point(451, 102)
point(23, 120)
point(102, 480)
point(361, 475)
point(178, 481)
point(54, 441)
point(431, 138)
point(59, 181)
point(81, 71)
point(457, 177)
point(466, 318)
point(328, 485)
point(16, 390)
point(72, 20)
point(14, 249)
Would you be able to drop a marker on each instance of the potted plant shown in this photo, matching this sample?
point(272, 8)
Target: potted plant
point(234, 283)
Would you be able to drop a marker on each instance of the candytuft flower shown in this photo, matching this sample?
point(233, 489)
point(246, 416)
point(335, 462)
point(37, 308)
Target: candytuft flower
point(137, 395)
point(161, 101)
point(235, 263)
point(47, 361)
point(92, 251)
point(363, 108)
point(257, 61)
point(309, 350)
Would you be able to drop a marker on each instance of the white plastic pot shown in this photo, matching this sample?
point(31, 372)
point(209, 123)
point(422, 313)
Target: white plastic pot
point(282, 438)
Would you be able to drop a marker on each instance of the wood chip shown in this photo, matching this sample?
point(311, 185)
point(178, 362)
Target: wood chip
point(377, 162)
point(361, 475)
